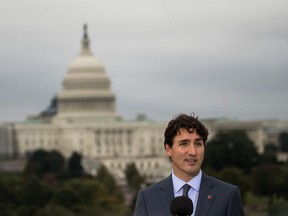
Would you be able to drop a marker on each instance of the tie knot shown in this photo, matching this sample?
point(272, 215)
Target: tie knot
point(186, 188)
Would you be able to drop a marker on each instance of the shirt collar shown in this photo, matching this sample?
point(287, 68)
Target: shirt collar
point(194, 182)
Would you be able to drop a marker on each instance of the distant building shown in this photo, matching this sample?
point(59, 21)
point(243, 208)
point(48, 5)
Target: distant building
point(282, 157)
point(83, 118)
point(7, 147)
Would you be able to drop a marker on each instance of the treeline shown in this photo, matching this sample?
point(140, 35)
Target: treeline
point(49, 185)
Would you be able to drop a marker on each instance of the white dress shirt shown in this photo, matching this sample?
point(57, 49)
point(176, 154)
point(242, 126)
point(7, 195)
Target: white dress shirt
point(194, 190)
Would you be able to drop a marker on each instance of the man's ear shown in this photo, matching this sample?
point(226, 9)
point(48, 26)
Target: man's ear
point(168, 150)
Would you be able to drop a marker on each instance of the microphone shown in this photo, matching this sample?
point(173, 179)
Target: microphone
point(181, 206)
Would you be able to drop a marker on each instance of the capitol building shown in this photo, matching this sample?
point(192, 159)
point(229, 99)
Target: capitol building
point(82, 118)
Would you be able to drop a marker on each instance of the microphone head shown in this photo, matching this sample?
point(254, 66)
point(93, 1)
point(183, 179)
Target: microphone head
point(181, 206)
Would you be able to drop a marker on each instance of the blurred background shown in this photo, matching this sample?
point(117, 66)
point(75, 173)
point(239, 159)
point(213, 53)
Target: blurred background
point(226, 61)
point(219, 59)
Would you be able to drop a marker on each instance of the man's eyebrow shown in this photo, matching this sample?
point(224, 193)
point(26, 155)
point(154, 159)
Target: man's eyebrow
point(184, 140)
point(198, 140)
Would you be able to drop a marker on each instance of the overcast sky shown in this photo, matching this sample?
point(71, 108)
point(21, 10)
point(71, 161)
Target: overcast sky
point(215, 58)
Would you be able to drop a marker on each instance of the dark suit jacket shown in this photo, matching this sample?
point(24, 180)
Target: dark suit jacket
point(216, 198)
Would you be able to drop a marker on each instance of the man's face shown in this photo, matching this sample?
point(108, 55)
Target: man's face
point(187, 154)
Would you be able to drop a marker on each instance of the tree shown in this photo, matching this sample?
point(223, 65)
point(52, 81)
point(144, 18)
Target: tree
point(10, 189)
point(235, 176)
point(80, 192)
point(35, 193)
point(33, 196)
point(105, 177)
point(133, 178)
point(67, 197)
point(74, 165)
point(9, 194)
point(54, 162)
point(230, 149)
point(42, 162)
point(269, 155)
point(283, 141)
point(55, 211)
point(282, 181)
point(266, 180)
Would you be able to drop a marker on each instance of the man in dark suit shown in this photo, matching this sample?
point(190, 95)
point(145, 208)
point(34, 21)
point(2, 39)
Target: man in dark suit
point(185, 138)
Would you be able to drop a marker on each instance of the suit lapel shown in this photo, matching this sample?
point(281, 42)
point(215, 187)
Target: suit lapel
point(166, 194)
point(207, 194)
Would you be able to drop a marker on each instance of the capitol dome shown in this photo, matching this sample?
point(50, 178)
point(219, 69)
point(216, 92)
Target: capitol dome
point(86, 94)
point(86, 67)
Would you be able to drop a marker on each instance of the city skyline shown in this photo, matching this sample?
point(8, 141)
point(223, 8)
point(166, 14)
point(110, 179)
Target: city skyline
point(217, 59)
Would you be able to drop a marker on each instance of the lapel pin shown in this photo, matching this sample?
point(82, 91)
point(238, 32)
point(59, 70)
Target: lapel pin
point(209, 197)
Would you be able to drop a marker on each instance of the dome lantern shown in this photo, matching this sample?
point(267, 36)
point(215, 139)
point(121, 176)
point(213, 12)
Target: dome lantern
point(85, 42)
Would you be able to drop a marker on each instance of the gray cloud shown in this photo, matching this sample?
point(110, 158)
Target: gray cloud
point(215, 58)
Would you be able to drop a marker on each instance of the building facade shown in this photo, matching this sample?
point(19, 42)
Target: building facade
point(83, 118)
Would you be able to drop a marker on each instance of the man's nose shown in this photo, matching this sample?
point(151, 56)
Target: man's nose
point(192, 150)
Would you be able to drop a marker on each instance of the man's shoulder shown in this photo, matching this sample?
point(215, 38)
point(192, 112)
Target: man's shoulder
point(164, 183)
point(206, 179)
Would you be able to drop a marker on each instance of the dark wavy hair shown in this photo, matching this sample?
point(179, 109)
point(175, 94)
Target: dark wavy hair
point(183, 121)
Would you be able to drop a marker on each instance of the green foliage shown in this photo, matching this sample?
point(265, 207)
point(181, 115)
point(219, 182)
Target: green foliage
point(280, 209)
point(41, 162)
point(283, 140)
point(86, 197)
point(55, 210)
point(265, 178)
point(133, 178)
point(35, 192)
point(78, 192)
point(74, 165)
point(26, 210)
point(283, 183)
point(54, 162)
point(236, 176)
point(67, 197)
point(7, 210)
point(10, 187)
point(269, 155)
point(134, 181)
point(34, 195)
point(230, 149)
point(105, 177)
